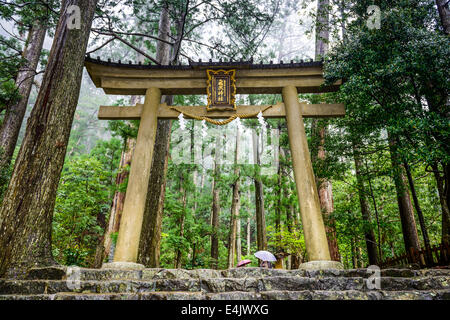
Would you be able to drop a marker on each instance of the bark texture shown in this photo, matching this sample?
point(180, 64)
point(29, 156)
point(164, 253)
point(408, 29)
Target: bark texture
point(249, 229)
point(322, 28)
point(215, 212)
point(179, 253)
point(261, 239)
point(27, 210)
point(444, 14)
point(10, 127)
point(443, 191)
point(238, 240)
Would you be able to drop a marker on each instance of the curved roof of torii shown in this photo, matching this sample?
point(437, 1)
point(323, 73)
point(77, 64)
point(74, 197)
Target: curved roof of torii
point(133, 79)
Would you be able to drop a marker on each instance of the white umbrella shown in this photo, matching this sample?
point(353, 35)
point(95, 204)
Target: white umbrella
point(265, 256)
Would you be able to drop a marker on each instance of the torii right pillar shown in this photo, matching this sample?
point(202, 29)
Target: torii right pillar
point(308, 197)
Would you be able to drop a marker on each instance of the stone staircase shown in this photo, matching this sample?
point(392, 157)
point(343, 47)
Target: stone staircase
point(63, 283)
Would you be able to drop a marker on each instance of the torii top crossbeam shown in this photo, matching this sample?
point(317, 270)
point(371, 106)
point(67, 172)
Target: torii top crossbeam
point(215, 79)
point(134, 79)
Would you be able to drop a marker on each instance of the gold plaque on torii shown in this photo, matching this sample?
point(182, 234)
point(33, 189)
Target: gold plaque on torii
point(221, 90)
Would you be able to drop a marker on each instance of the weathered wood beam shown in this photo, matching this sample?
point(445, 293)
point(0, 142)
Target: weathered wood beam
point(276, 111)
point(123, 113)
point(97, 70)
point(173, 83)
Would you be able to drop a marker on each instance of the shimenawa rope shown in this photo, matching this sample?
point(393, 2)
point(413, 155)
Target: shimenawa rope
point(223, 122)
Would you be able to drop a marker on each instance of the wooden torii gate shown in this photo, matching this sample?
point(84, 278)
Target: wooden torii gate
point(156, 80)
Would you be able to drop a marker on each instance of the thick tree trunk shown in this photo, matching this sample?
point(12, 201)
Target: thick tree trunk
point(444, 14)
point(444, 201)
point(149, 244)
point(261, 239)
point(215, 212)
point(234, 206)
point(408, 221)
point(27, 209)
point(12, 121)
point(369, 235)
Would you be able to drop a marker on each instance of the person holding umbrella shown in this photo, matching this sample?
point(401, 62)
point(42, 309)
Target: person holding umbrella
point(243, 263)
point(266, 258)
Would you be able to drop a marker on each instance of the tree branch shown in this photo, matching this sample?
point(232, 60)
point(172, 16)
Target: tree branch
point(112, 32)
point(130, 45)
point(89, 52)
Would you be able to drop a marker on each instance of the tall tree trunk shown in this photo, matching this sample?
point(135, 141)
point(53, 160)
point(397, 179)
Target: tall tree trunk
point(444, 14)
point(354, 253)
point(361, 260)
point(261, 239)
point(290, 220)
point(279, 193)
point(99, 250)
point(179, 253)
point(249, 236)
point(12, 121)
point(322, 28)
point(27, 209)
point(369, 235)
point(423, 227)
point(444, 201)
point(215, 211)
point(408, 221)
point(234, 205)
point(249, 230)
point(238, 239)
point(149, 244)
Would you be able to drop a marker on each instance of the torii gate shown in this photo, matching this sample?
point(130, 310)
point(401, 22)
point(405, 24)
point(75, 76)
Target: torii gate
point(156, 80)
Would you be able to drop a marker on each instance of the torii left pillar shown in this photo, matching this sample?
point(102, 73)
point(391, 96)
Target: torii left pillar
point(126, 252)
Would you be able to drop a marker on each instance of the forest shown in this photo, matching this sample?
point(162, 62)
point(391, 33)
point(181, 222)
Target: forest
point(382, 171)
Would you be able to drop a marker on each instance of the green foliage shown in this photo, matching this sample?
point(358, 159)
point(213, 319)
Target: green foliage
point(83, 203)
point(10, 61)
point(397, 78)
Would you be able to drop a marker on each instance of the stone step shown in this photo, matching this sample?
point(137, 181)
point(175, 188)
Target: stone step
point(62, 273)
point(218, 285)
point(240, 295)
